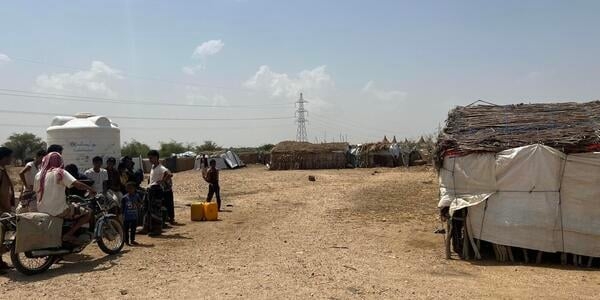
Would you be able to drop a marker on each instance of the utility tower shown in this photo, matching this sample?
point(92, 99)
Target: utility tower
point(301, 115)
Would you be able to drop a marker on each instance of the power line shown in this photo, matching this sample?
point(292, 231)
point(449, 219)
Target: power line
point(147, 128)
point(351, 126)
point(47, 96)
point(151, 118)
point(354, 135)
point(124, 74)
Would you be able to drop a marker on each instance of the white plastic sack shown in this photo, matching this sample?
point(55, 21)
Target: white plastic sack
point(37, 231)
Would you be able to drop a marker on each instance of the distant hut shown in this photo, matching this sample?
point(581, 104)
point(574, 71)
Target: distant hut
point(290, 155)
point(379, 155)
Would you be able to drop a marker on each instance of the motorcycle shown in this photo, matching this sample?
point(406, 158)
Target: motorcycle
point(106, 230)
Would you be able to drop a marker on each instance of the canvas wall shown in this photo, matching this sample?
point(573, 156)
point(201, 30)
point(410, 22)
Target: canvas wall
point(534, 197)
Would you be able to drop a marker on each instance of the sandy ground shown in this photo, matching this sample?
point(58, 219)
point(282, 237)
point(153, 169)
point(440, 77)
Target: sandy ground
point(352, 234)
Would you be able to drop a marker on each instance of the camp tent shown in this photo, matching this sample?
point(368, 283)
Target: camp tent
point(224, 160)
point(524, 175)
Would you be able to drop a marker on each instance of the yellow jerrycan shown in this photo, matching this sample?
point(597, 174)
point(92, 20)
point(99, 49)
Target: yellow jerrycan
point(210, 210)
point(197, 211)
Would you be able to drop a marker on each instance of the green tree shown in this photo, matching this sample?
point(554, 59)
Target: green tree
point(266, 148)
point(208, 146)
point(172, 147)
point(134, 148)
point(25, 145)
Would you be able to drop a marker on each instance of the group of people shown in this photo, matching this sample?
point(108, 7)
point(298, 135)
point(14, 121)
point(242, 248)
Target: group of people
point(47, 183)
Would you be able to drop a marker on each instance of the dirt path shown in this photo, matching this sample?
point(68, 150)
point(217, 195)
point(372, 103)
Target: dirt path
point(352, 234)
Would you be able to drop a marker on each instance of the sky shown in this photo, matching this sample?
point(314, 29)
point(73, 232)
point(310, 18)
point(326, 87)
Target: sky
point(230, 70)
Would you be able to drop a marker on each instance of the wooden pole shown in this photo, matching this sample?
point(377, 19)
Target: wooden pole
point(448, 237)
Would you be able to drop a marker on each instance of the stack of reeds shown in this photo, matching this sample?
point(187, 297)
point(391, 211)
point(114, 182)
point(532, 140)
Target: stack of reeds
point(570, 127)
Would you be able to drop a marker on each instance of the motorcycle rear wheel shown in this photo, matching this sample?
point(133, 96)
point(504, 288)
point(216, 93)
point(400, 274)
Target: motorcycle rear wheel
point(30, 266)
point(112, 236)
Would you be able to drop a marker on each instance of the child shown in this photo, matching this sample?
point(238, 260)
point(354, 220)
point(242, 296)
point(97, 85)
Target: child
point(212, 177)
point(129, 206)
point(98, 175)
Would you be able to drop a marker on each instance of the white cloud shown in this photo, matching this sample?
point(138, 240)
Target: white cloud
point(208, 48)
point(4, 59)
point(203, 51)
point(383, 95)
point(282, 85)
point(95, 80)
point(192, 70)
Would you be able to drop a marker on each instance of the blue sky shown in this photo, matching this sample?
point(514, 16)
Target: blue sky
point(368, 68)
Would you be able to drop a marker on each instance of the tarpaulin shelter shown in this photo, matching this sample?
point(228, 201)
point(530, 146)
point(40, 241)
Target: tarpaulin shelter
point(524, 175)
point(224, 160)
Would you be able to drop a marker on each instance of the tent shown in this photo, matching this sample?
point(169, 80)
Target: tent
point(523, 176)
point(232, 160)
point(224, 160)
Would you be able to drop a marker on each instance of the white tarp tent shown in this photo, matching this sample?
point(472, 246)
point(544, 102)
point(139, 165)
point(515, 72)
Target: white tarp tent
point(232, 160)
point(533, 197)
point(227, 160)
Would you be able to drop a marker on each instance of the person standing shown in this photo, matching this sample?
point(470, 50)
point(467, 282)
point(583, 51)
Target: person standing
point(169, 200)
point(212, 177)
point(98, 175)
point(7, 197)
point(114, 179)
point(129, 207)
point(136, 176)
point(159, 175)
point(27, 175)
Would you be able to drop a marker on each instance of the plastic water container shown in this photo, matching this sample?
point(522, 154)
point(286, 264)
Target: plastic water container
point(211, 211)
point(197, 212)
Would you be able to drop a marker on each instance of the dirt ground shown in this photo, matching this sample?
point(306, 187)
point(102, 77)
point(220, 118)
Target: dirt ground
point(352, 234)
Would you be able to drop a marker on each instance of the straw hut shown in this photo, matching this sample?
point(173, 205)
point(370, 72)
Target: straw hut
point(521, 177)
point(378, 155)
point(290, 155)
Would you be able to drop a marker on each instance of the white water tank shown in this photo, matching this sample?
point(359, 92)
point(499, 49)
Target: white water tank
point(84, 136)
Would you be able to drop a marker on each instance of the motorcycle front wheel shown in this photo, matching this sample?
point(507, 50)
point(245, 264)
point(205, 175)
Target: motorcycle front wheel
point(30, 266)
point(111, 237)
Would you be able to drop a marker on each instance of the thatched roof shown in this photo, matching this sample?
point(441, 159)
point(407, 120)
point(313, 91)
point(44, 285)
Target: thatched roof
point(374, 147)
point(305, 147)
point(569, 127)
point(385, 140)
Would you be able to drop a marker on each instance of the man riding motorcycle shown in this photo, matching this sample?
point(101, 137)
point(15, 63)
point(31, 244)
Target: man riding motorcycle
point(50, 185)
